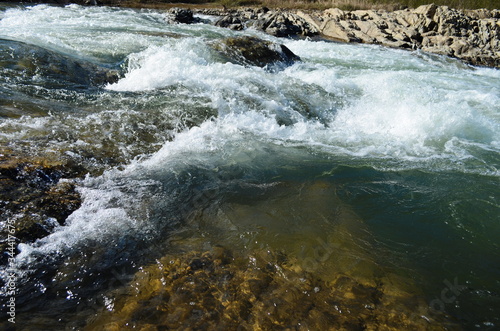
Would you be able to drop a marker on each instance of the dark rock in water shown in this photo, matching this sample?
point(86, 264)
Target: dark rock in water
point(231, 22)
point(181, 15)
point(286, 24)
point(276, 23)
point(25, 61)
point(255, 52)
point(33, 200)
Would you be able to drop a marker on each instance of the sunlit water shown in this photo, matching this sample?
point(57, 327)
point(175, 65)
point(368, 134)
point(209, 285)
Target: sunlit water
point(405, 143)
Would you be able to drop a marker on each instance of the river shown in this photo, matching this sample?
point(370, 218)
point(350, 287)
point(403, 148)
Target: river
point(376, 164)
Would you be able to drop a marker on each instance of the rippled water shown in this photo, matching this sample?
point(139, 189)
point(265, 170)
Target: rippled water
point(391, 155)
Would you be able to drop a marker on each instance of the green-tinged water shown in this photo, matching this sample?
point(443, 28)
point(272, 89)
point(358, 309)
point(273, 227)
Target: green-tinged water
point(147, 182)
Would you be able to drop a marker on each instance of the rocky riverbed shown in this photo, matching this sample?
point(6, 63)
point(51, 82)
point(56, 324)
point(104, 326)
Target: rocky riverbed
point(472, 35)
point(263, 291)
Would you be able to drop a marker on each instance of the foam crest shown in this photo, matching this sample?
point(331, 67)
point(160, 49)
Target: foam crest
point(158, 67)
point(400, 106)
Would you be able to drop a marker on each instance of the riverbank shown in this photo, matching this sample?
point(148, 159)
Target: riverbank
point(472, 36)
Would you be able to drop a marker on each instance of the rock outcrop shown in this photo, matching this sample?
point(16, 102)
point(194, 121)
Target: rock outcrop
point(285, 24)
point(182, 15)
point(231, 22)
point(472, 36)
point(277, 23)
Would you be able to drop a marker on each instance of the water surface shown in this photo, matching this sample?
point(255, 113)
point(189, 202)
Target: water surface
point(389, 158)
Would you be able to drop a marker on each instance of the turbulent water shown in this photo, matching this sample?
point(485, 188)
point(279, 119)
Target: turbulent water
point(186, 149)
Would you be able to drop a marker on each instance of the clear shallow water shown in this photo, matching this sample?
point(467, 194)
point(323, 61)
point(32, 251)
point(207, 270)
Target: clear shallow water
point(406, 144)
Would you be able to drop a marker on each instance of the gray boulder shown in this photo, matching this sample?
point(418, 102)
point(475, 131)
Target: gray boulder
point(283, 24)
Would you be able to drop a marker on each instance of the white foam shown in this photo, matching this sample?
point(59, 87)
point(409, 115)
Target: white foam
point(109, 209)
point(395, 105)
point(94, 32)
point(388, 103)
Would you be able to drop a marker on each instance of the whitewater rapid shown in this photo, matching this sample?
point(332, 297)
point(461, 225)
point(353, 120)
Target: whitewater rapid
point(394, 109)
point(181, 121)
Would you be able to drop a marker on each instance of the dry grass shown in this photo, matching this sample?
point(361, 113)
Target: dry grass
point(313, 4)
point(324, 4)
point(363, 4)
point(377, 4)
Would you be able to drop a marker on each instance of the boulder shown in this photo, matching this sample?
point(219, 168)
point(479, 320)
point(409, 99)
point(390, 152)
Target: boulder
point(181, 15)
point(287, 24)
point(335, 14)
point(255, 52)
point(312, 19)
point(231, 22)
point(369, 32)
point(426, 10)
point(336, 31)
point(276, 23)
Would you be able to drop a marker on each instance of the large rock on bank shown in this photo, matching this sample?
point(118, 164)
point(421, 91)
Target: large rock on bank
point(278, 23)
point(181, 15)
point(472, 36)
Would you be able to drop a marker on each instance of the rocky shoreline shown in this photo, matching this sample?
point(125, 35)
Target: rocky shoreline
point(472, 36)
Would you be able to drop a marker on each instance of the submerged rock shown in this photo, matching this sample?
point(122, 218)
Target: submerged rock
point(24, 62)
point(255, 52)
point(283, 275)
point(218, 289)
point(33, 199)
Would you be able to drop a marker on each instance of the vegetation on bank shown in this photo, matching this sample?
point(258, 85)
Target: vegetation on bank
point(317, 4)
point(389, 5)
